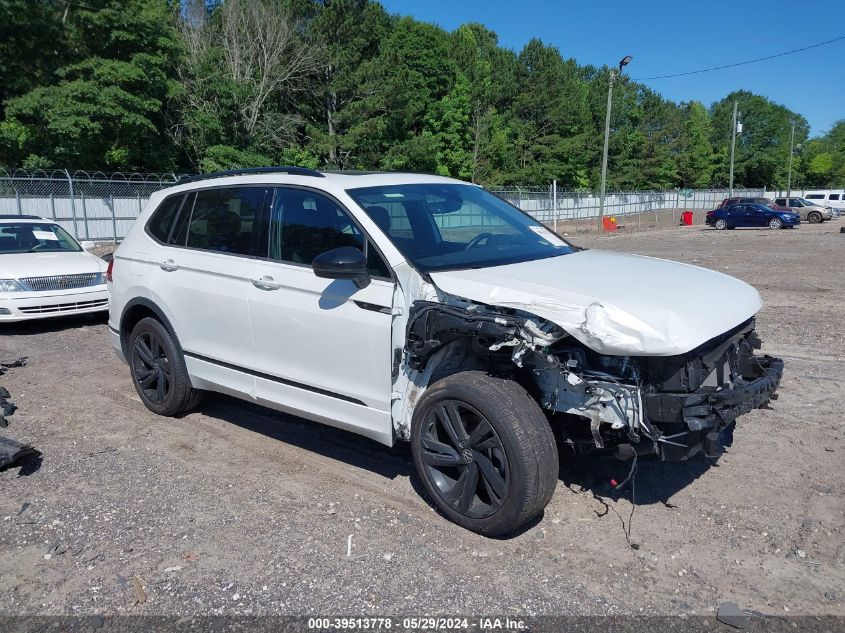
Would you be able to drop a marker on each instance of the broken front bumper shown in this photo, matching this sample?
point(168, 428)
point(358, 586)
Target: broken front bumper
point(691, 422)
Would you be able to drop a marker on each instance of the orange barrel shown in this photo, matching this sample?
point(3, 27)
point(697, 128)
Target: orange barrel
point(609, 224)
point(686, 217)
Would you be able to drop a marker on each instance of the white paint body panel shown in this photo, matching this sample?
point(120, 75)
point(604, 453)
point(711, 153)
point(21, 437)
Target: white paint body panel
point(23, 265)
point(306, 348)
point(615, 303)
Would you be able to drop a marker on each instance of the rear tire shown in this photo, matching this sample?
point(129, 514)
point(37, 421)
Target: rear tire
point(814, 217)
point(158, 370)
point(721, 224)
point(484, 451)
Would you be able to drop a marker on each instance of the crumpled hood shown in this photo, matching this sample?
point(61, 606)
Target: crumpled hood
point(18, 265)
point(615, 303)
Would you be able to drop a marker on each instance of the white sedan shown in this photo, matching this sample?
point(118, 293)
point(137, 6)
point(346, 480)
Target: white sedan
point(44, 272)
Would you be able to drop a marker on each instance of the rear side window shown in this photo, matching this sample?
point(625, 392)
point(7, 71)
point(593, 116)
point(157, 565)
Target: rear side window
point(229, 220)
point(305, 224)
point(833, 196)
point(163, 218)
point(780, 202)
point(815, 196)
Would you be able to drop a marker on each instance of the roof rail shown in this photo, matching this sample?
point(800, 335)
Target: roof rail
point(19, 216)
point(282, 169)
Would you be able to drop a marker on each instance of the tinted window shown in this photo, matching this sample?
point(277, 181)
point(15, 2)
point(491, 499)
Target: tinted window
point(179, 234)
point(228, 221)
point(833, 196)
point(305, 224)
point(815, 196)
point(162, 218)
point(780, 202)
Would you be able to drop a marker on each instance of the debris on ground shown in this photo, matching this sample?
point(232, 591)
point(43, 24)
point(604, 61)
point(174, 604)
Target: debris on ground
point(10, 450)
point(731, 615)
point(140, 594)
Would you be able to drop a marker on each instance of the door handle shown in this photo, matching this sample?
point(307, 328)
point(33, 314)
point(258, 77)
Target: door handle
point(266, 283)
point(168, 265)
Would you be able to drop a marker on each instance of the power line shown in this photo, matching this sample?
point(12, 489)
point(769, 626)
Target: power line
point(750, 61)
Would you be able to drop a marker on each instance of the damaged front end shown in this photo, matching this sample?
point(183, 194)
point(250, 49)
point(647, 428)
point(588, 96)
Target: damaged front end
point(669, 406)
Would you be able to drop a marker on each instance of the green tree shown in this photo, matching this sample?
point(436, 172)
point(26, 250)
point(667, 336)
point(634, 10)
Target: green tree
point(552, 112)
point(694, 153)
point(108, 110)
point(350, 32)
point(762, 148)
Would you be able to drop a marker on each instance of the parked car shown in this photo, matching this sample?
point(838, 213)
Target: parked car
point(424, 309)
point(834, 199)
point(44, 272)
point(749, 215)
point(728, 202)
point(810, 212)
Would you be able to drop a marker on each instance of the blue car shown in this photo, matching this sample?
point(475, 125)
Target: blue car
point(751, 214)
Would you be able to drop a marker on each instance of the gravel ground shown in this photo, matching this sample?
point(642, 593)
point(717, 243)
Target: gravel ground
point(235, 509)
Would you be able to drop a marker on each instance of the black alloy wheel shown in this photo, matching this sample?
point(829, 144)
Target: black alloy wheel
point(465, 459)
point(158, 369)
point(151, 367)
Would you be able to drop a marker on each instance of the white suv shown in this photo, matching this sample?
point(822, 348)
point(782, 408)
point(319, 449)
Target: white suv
point(421, 308)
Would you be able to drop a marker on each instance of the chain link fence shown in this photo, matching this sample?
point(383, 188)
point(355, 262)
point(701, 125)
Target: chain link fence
point(574, 211)
point(90, 206)
point(99, 207)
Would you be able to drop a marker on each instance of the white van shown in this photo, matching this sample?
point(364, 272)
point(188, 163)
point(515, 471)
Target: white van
point(834, 198)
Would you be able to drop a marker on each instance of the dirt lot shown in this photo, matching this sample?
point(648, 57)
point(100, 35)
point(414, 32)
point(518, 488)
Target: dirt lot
point(237, 509)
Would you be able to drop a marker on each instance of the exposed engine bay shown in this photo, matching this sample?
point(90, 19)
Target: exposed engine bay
point(669, 406)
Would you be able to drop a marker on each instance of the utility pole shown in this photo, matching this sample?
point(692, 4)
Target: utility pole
point(789, 172)
point(613, 74)
point(733, 148)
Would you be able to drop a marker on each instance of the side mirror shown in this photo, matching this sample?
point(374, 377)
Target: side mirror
point(87, 245)
point(346, 262)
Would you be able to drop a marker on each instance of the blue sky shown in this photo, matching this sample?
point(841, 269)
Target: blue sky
point(666, 37)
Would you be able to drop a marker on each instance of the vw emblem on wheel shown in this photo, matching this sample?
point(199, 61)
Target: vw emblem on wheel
point(467, 455)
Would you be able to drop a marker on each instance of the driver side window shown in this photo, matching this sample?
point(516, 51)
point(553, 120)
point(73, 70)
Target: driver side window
point(305, 223)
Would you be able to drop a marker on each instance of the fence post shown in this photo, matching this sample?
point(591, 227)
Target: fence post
point(72, 204)
point(18, 201)
point(52, 206)
point(140, 206)
point(85, 216)
point(113, 217)
point(554, 203)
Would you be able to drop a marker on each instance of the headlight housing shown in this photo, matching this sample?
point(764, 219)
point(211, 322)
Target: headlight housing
point(10, 285)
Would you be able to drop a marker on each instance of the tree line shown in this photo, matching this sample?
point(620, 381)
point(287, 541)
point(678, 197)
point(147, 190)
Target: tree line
point(162, 85)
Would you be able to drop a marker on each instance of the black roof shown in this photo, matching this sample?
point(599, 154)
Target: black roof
point(18, 216)
point(282, 169)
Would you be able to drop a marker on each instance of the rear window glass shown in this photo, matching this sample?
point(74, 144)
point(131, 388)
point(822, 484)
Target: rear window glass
point(229, 221)
point(163, 217)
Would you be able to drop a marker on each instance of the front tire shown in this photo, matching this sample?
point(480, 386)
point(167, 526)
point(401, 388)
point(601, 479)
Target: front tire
point(158, 370)
point(775, 223)
point(721, 224)
point(484, 451)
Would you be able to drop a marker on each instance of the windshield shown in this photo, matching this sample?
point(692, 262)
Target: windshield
point(29, 237)
point(448, 227)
